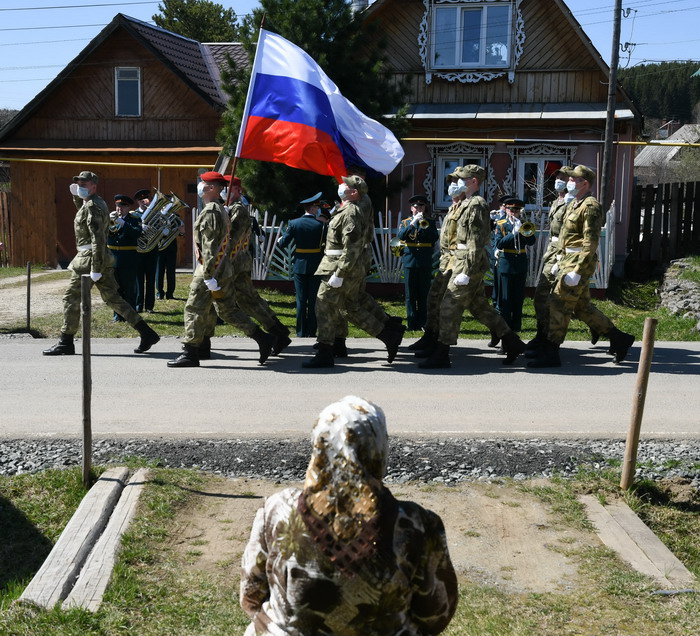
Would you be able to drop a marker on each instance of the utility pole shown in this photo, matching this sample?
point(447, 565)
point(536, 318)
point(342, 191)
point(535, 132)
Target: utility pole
point(605, 179)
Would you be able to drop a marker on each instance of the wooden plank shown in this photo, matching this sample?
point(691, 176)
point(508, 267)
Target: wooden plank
point(645, 245)
point(614, 536)
point(655, 254)
point(634, 223)
point(92, 582)
point(674, 222)
point(56, 576)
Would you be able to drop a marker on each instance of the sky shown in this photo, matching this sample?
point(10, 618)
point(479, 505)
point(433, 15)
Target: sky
point(38, 38)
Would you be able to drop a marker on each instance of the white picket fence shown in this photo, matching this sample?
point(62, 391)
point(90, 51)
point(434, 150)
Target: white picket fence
point(271, 262)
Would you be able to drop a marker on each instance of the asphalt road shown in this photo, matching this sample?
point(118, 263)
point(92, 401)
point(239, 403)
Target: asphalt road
point(232, 396)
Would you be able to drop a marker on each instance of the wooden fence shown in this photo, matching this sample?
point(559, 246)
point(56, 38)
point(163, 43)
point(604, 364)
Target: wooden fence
point(664, 222)
point(5, 236)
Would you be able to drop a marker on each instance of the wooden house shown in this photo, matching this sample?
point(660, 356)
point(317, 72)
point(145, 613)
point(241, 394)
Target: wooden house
point(513, 85)
point(139, 106)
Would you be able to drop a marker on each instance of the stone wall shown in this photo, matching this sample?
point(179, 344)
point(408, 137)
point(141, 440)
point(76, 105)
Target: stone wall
point(681, 297)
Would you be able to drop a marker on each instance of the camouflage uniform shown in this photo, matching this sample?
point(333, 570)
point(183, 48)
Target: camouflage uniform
point(577, 246)
point(343, 556)
point(345, 257)
point(466, 234)
point(91, 226)
point(211, 236)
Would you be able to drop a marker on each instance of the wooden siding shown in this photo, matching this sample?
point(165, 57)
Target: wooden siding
point(82, 107)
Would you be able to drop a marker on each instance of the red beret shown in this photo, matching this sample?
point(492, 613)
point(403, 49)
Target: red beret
point(213, 177)
point(236, 181)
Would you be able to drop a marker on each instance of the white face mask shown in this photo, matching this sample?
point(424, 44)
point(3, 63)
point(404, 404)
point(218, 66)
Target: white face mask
point(83, 192)
point(455, 189)
point(200, 189)
point(560, 185)
point(224, 194)
point(571, 187)
point(342, 189)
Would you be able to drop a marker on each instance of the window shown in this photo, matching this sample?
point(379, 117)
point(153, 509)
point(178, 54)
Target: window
point(536, 181)
point(446, 166)
point(127, 91)
point(444, 160)
point(475, 35)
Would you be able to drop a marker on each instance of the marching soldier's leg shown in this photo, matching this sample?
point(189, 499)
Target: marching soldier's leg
point(329, 303)
point(544, 288)
point(197, 318)
point(313, 282)
point(422, 289)
point(71, 319)
point(424, 345)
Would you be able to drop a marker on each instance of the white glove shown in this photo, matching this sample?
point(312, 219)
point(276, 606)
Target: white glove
point(120, 222)
point(572, 278)
point(461, 279)
point(555, 269)
point(212, 285)
point(73, 189)
point(335, 281)
point(516, 226)
point(145, 227)
point(417, 218)
point(113, 215)
point(166, 231)
point(497, 252)
point(95, 276)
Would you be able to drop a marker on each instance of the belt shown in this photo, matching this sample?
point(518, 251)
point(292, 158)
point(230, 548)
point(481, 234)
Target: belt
point(572, 250)
point(84, 248)
point(515, 251)
point(419, 244)
point(304, 251)
point(554, 239)
point(461, 246)
point(334, 252)
point(122, 247)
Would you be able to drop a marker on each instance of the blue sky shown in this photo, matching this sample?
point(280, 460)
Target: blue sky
point(38, 39)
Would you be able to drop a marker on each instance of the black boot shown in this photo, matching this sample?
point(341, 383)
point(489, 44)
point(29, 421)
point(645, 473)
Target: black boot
point(148, 337)
point(205, 349)
point(188, 358)
point(513, 346)
point(428, 339)
point(64, 346)
point(396, 322)
point(282, 339)
point(595, 336)
point(620, 343)
point(547, 357)
point(493, 343)
point(535, 345)
point(265, 343)
point(391, 337)
point(323, 358)
point(339, 348)
point(438, 359)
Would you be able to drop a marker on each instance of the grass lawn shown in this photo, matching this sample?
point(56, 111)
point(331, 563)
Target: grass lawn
point(627, 305)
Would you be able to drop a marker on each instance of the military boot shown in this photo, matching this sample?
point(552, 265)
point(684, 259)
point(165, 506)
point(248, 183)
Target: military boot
point(282, 339)
point(493, 343)
point(188, 358)
point(205, 349)
point(428, 339)
point(620, 343)
point(323, 358)
point(265, 343)
point(595, 336)
point(438, 359)
point(148, 337)
point(391, 337)
point(64, 346)
point(533, 347)
point(513, 346)
point(339, 348)
point(547, 357)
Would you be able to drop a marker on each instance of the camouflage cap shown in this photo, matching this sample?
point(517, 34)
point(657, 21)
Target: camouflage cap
point(468, 172)
point(458, 173)
point(85, 175)
point(583, 172)
point(353, 181)
point(565, 170)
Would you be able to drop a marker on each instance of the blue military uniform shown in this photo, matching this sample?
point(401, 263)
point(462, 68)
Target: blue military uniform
point(121, 240)
point(511, 272)
point(417, 259)
point(147, 265)
point(307, 232)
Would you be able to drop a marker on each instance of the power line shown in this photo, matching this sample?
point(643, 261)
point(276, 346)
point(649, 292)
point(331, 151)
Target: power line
point(79, 6)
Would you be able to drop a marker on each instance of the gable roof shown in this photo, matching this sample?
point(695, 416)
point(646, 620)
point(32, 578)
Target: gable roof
point(198, 65)
point(659, 154)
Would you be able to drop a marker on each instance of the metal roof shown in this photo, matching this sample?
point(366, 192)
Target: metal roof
point(660, 154)
point(537, 110)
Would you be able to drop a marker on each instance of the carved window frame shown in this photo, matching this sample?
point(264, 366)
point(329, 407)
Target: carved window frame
point(470, 76)
point(466, 152)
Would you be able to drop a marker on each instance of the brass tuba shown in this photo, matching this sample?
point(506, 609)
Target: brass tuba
point(173, 219)
point(160, 214)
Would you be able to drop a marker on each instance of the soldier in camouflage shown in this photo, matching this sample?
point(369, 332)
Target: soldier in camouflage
point(212, 281)
point(576, 262)
point(343, 270)
point(91, 226)
point(466, 234)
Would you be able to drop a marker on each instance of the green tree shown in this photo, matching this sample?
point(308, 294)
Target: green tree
point(353, 56)
point(6, 114)
point(199, 20)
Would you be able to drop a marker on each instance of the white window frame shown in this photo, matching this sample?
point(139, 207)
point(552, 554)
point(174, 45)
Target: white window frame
point(470, 72)
point(118, 80)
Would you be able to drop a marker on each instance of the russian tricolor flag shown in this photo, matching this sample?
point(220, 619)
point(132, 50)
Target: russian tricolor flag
point(294, 114)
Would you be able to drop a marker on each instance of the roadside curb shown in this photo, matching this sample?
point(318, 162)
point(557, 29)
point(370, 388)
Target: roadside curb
point(620, 529)
point(78, 568)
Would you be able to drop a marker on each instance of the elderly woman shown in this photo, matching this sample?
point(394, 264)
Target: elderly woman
point(342, 556)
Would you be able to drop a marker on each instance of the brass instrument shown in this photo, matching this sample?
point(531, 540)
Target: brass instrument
point(160, 214)
point(527, 229)
point(423, 224)
point(397, 246)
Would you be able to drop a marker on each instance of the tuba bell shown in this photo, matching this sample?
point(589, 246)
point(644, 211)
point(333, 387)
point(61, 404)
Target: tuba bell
point(160, 214)
point(172, 219)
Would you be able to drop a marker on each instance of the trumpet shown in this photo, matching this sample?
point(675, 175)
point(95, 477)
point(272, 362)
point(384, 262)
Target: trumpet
point(527, 229)
point(423, 224)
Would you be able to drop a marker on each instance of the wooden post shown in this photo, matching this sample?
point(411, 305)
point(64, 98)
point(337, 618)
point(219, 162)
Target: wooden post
point(29, 294)
point(85, 288)
point(640, 393)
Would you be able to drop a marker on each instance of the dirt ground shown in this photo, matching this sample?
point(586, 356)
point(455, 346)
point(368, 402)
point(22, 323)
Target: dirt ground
point(496, 534)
